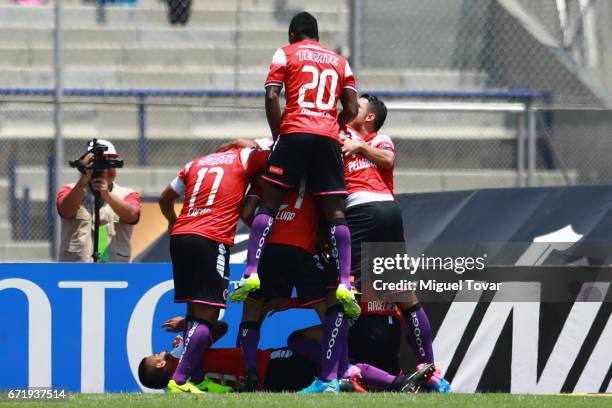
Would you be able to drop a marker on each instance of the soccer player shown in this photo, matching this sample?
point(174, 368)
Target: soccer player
point(374, 216)
point(306, 138)
point(212, 188)
point(287, 262)
point(281, 369)
point(307, 145)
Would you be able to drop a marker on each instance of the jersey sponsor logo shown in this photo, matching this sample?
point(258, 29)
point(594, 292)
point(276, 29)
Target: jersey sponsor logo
point(360, 164)
point(284, 215)
point(279, 171)
point(194, 212)
point(318, 57)
point(308, 112)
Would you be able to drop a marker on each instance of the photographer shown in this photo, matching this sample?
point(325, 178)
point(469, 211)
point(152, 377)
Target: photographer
point(119, 208)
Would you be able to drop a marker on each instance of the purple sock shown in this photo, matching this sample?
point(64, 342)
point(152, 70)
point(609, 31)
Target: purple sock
point(197, 375)
point(260, 230)
point(343, 363)
point(192, 359)
point(308, 348)
point(341, 250)
point(335, 334)
point(419, 333)
point(248, 339)
point(375, 377)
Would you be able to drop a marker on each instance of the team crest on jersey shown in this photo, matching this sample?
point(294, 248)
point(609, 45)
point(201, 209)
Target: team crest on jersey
point(279, 171)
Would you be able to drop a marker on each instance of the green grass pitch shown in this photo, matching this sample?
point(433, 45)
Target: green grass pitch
point(374, 400)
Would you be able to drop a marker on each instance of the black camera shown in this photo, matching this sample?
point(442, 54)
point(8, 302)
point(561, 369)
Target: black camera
point(100, 161)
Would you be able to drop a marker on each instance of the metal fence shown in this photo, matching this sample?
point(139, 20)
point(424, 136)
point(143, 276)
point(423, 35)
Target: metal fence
point(165, 80)
point(562, 46)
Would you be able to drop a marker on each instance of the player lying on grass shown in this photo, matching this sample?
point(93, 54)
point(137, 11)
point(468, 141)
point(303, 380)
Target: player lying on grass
point(280, 369)
point(374, 216)
point(212, 188)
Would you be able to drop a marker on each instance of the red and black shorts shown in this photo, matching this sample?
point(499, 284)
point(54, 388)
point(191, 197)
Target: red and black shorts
point(318, 158)
point(200, 267)
point(284, 267)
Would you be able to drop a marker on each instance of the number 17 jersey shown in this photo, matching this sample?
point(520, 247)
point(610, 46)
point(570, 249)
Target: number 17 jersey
point(314, 77)
point(213, 187)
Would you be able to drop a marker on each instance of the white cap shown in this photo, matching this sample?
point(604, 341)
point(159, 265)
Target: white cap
point(111, 151)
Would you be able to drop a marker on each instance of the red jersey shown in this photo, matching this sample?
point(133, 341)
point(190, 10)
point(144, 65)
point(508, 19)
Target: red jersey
point(296, 221)
point(213, 187)
point(314, 78)
point(225, 365)
point(365, 181)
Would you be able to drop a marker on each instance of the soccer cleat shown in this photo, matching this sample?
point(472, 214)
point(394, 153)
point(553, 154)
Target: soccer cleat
point(436, 382)
point(351, 384)
point(319, 386)
point(213, 387)
point(412, 383)
point(251, 380)
point(245, 286)
point(347, 298)
point(173, 387)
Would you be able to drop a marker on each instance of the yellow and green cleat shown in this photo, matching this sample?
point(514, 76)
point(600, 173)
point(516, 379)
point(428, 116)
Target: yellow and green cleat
point(210, 386)
point(346, 296)
point(173, 387)
point(245, 286)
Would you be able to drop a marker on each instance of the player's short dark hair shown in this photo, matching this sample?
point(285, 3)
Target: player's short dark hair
point(151, 377)
point(304, 24)
point(378, 108)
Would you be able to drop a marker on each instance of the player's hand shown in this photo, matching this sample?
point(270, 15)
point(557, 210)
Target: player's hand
point(174, 325)
point(101, 185)
point(177, 340)
point(351, 146)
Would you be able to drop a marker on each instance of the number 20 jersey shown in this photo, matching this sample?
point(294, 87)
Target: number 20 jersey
point(314, 78)
point(213, 187)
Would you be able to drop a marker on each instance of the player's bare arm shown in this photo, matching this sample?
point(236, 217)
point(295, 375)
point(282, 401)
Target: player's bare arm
point(273, 109)
point(166, 205)
point(350, 106)
point(382, 158)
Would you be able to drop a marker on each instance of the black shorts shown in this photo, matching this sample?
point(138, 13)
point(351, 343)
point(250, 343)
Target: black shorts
point(200, 267)
point(376, 340)
point(318, 158)
point(379, 221)
point(283, 267)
